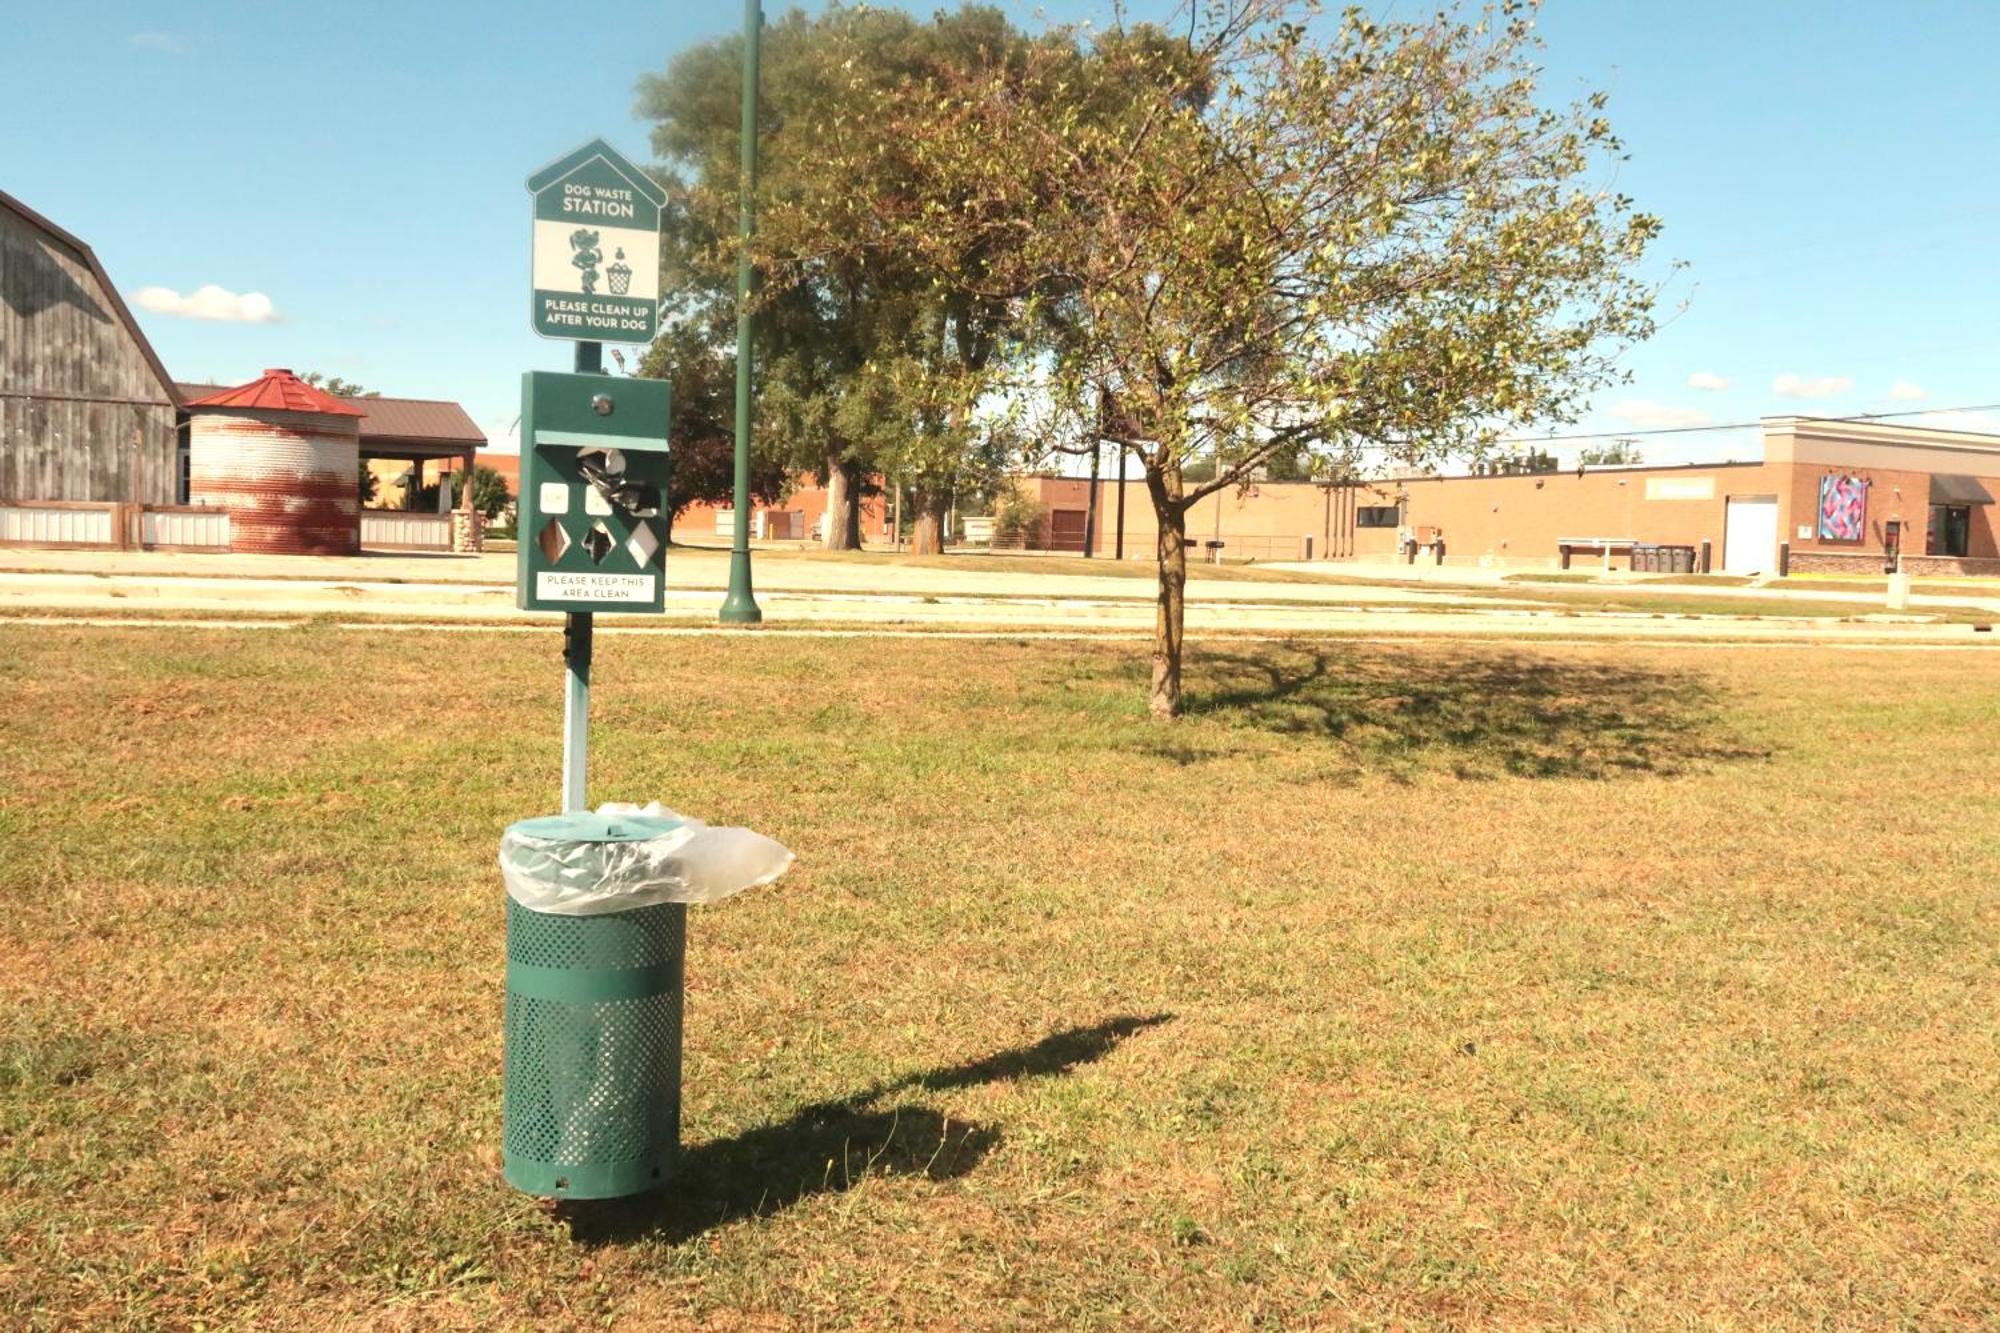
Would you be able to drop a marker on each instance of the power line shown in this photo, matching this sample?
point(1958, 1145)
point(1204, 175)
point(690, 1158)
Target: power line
point(1738, 425)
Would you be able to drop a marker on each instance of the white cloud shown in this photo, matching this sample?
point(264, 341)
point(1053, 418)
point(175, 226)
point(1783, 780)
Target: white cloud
point(1905, 392)
point(1707, 380)
point(1645, 414)
point(210, 302)
point(171, 43)
point(1789, 385)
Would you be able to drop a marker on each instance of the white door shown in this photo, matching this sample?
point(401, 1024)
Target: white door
point(1750, 535)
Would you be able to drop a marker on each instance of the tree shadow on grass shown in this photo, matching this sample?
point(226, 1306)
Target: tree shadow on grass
point(1472, 712)
point(832, 1146)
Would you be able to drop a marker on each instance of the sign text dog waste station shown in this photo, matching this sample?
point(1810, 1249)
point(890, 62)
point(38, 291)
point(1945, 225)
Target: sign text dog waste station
point(596, 262)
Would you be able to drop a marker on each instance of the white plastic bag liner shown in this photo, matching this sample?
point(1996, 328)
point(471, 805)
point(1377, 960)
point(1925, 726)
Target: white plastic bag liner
point(686, 862)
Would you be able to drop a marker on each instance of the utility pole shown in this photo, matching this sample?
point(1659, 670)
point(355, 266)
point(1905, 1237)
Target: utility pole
point(740, 606)
point(1121, 501)
point(1090, 511)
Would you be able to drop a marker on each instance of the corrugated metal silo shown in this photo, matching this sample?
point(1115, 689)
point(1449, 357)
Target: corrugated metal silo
point(284, 458)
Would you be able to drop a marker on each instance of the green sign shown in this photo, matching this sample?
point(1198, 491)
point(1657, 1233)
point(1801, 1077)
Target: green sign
point(596, 252)
point(592, 522)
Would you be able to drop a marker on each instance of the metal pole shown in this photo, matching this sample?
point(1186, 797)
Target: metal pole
point(1090, 510)
point(740, 606)
point(576, 709)
point(577, 627)
point(1121, 500)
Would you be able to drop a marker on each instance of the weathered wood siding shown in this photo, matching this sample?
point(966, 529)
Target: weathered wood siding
point(82, 414)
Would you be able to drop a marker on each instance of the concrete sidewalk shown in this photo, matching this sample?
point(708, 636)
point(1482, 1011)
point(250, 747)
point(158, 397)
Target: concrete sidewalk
point(705, 568)
point(884, 591)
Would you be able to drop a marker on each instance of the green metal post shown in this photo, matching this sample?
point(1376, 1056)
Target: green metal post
point(577, 635)
point(740, 606)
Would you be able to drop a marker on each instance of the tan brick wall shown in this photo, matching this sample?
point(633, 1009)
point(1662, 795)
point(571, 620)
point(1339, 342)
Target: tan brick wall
point(1521, 519)
point(697, 521)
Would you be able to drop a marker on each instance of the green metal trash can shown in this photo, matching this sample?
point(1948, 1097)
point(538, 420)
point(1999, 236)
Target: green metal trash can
point(591, 1105)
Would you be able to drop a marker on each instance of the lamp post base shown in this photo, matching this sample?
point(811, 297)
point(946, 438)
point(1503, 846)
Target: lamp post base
point(740, 606)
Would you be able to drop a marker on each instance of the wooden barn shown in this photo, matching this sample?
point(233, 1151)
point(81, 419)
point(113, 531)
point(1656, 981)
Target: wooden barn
point(95, 438)
point(87, 412)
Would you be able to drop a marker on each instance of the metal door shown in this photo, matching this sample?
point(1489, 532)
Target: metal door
point(1066, 529)
point(1750, 534)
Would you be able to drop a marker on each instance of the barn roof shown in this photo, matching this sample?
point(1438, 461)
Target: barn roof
point(89, 259)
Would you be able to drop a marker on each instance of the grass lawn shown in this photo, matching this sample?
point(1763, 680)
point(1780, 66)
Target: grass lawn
point(1422, 987)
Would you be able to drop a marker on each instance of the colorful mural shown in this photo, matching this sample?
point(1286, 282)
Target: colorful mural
point(1843, 508)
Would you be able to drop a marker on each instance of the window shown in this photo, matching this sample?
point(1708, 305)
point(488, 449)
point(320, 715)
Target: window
point(1377, 516)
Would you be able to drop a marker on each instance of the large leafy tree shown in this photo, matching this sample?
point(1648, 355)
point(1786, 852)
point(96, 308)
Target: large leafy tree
point(701, 433)
point(874, 353)
point(1259, 234)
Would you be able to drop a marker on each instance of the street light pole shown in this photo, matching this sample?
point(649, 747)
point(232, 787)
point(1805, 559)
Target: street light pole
point(740, 606)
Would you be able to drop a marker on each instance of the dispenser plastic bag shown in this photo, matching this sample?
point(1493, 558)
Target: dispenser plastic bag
point(649, 855)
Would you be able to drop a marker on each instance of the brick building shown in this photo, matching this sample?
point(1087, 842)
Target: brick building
point(1828, 495)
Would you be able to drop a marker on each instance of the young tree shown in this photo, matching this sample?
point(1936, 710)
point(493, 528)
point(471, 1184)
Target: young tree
point(1266, 234)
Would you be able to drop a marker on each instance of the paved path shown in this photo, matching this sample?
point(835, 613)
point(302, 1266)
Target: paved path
point(1816, 637)
point(883, 594)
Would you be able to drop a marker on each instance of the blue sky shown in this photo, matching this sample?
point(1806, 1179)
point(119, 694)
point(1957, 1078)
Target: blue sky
point(1824, 169)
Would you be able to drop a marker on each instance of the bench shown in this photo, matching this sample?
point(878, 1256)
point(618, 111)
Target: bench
point(1604, 545)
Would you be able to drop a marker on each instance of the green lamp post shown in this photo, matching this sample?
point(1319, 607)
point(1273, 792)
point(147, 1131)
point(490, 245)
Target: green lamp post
point(740, 606)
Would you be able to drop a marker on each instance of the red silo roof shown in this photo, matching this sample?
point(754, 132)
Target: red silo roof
point(279, 390)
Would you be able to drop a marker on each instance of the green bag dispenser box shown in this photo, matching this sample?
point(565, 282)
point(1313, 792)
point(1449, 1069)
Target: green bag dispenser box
point(592, 523)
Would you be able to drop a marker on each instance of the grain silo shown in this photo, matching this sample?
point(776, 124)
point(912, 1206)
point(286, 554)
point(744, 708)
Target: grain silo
point(284, 459)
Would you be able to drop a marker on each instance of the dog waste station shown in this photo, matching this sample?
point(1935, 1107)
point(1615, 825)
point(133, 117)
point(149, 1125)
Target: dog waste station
point(597, 900)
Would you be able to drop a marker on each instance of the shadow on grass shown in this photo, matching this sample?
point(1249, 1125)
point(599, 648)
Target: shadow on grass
point(1479, 714)
point(832, 1146)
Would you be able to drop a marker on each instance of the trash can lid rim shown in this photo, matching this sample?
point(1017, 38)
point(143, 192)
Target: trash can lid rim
point(584, 826)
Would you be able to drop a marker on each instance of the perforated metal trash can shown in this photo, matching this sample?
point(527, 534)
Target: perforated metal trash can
point(592, 1100)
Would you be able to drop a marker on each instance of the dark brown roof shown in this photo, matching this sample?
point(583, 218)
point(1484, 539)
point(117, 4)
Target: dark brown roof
point(425, 421)
point(89, 258)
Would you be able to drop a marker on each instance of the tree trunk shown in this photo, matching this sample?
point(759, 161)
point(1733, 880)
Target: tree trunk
point(1164, 485)
point(933, 508)
point(843, 505)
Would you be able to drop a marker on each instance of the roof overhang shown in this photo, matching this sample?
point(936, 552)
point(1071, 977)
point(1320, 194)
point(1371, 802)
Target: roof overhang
point(1951, 488)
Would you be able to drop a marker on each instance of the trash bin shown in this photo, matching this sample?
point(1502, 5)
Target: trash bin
point(596, 940)
point(592, 1107)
